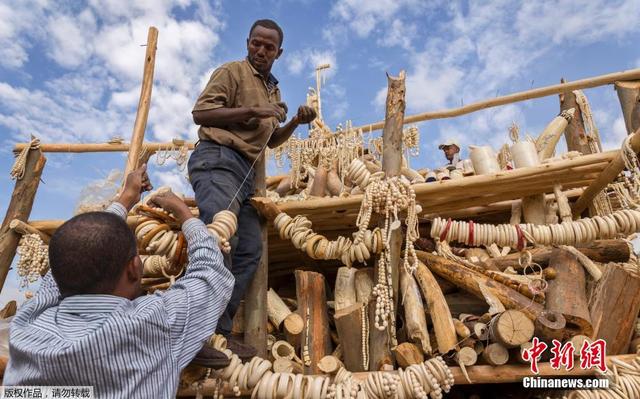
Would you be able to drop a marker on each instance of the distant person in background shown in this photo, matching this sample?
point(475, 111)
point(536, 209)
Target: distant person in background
point(451, 150)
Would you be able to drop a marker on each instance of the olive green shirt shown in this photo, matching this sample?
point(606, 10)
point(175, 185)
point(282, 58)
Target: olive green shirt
point(233, 85)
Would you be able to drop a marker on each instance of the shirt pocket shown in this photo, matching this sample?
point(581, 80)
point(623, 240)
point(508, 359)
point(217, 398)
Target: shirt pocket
point(251, 97)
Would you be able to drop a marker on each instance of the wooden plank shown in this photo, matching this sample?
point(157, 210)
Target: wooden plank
point(19, 208)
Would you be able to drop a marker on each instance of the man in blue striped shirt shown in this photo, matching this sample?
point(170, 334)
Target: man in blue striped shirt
point(88, 324)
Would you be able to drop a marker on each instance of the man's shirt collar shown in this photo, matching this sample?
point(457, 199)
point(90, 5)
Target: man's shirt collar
point(97, 303)
point(271, 80)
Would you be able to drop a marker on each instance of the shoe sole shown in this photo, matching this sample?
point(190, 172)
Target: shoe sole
point(213, 364)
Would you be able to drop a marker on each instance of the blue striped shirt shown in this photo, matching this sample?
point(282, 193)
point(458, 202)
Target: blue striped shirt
point(124, 348)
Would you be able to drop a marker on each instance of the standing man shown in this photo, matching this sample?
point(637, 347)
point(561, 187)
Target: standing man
point(239, 113)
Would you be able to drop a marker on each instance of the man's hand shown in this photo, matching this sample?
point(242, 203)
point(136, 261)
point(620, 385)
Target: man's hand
point(271, 111)
point(136, 183)
point(173, 204)
point(305, 114)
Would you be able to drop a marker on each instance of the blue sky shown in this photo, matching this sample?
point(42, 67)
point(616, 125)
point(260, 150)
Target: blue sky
point(70, 71)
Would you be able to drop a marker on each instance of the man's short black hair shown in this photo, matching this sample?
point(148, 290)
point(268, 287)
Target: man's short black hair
point(88, 253)
point(269, 24)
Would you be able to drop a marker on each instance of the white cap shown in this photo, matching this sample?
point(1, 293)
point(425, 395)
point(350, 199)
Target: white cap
point(447, 143)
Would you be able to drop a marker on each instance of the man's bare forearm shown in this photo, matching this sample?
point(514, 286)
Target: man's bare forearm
point(222, 117)
point(283, 133)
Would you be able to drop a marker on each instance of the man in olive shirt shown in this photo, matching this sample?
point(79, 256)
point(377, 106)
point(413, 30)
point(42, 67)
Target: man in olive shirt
point(239, 113)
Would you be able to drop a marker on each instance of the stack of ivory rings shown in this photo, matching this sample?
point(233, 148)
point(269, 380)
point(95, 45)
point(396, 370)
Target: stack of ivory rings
point(298, 230)
point(624, 222)
point(433, 377)
point(359, 174)
point(165, 242)
point(223, 226)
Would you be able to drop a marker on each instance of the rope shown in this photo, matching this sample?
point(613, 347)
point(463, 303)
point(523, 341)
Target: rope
point(19, 166)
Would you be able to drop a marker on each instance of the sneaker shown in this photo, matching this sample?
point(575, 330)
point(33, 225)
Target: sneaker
point(211, 358)
point(245, 352)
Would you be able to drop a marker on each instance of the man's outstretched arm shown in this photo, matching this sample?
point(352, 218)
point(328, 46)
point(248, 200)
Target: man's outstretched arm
point(197, 300)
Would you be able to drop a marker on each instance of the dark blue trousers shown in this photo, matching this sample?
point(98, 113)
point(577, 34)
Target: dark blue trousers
point(216, 173)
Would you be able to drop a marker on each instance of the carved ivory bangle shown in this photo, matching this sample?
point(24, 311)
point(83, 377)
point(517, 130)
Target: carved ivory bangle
point(577, 231)
point(636, 217)
point(243, 376)
point(631, 220)
point(586, 234)
point(592, 228)
point(283, 385)
point(612, 225)
point(298, 387)
point(149, 236)
point(167, 241)
point(146, 226)
point(258, 372)
point(310, 244)
point(264, 384)
point(620, 222)
point(316, 388)
point(325, 387)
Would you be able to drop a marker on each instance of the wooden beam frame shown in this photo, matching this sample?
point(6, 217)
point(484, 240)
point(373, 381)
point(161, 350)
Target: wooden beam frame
point(601, 80)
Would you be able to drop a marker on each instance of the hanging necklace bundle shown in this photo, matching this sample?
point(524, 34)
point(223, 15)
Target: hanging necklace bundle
point(34, 258)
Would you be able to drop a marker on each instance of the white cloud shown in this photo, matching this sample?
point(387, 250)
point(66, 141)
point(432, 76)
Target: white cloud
point(400, 33)
point(307, 60)
point(100, 45)
point(176, 180)
point(68, 37)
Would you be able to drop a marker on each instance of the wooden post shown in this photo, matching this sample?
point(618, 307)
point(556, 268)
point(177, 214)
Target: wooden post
point(606, 176)
point(392, 165)
point(574, 133)
point(312, 305)
point(614, 305)
point(349, 325)
point(629, 96)
point(255, 300)
point(19, 208)
point(566, 293)
point(137, 137)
